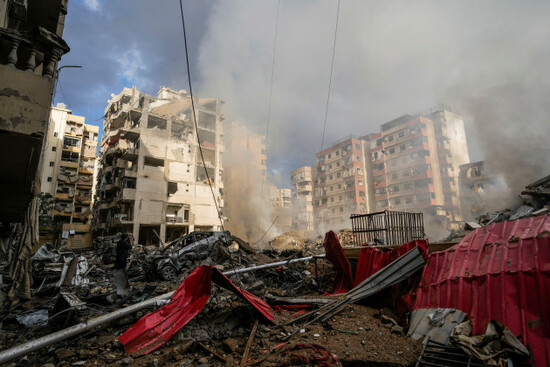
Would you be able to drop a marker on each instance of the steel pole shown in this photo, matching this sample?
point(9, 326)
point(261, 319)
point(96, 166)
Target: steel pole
point(31, 346)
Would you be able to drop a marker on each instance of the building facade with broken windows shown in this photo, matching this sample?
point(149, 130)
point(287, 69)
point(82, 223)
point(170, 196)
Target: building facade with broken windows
point(302, 198)
point(31, 44)
point(416, 164)
point(68, 174)
point(480, 190)
point(151, 177)
point(412, 164)
point(342, 183)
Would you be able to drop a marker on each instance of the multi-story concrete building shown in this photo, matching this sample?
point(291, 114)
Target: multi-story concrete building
point(280, 208)
point(302, 198)
point(31, 44)
point(30, 47)
point(480, 191)
point(411, 165)
point(69, 165)
point(68, 174)
point(340, 180)
point(416, 163)
point(151, 178)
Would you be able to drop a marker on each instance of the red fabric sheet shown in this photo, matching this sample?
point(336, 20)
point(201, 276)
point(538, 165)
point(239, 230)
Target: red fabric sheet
point(155, 328)
point(343, 281)
point(371, 259)
point(499, 272)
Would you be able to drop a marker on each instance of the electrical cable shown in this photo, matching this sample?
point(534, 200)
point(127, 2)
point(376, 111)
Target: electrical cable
point(331, 70)
point(269, 108)
point(195, 116)
point(274, 220)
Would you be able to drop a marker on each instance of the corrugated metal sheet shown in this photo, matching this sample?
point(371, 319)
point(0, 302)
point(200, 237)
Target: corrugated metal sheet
point(500, 272)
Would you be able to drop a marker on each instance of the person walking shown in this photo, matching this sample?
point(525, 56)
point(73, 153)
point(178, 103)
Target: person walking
point(123, 248)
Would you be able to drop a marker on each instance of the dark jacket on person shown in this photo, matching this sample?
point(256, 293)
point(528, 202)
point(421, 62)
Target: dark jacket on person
point(123, 248)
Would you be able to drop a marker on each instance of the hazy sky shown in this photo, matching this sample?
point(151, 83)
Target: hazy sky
point(488, 60)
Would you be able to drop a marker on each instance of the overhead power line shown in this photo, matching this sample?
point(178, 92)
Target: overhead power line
point(263, 181)
point(195, 115)
point(331, 70)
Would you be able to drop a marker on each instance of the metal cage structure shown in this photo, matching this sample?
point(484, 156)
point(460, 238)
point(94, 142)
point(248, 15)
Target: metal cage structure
point(387, 227)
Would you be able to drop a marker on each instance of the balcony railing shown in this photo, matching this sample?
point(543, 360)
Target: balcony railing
point(30, 50)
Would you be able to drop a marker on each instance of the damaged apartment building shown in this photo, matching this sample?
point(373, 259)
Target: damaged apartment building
point(30, 47)
point(68, 172)
point(151, 180)
point(412, 164)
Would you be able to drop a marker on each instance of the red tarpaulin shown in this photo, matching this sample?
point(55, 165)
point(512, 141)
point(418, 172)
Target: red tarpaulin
point(155, 328)
point(343, 281)
point(499, 272)
point(372, 259)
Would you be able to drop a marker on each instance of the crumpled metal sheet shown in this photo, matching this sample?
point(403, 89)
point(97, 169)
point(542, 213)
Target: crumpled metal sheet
point(44, 253)
point(421, 326)
point(33, 318)
point(155, 328)
point(493, 347)
point(499, 272)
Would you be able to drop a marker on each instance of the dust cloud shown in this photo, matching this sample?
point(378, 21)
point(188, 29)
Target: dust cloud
point(391, 58)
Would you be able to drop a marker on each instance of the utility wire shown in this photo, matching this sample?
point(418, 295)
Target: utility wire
point(274, 220)
point(269, 112)
point(195, 115)
point(331, 70)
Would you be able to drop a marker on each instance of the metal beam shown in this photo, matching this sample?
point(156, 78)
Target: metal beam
point(33, 345)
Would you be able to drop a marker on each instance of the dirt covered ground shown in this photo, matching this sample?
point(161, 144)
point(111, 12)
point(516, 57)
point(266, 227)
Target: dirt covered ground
point(217, 336)
point(357, 336)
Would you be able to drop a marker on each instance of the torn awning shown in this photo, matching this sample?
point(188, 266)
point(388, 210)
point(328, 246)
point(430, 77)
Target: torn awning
point(155, 328)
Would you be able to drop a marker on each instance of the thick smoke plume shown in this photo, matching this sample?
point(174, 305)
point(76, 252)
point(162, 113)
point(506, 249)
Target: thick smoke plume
point(487, 60)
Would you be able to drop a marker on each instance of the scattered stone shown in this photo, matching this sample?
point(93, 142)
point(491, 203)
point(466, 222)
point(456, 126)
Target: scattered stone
point(229, 345)
point(63, 354)
point(396, 329)
point(203, 360)
point(386, 319)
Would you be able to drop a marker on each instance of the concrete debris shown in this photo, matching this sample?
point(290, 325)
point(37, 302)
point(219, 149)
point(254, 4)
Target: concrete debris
point(76, 293)
point(535, 201)
point(33, 318)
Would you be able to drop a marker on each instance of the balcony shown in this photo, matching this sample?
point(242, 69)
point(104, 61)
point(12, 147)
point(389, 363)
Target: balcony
point(68, 164)
point(130, 154)
point(129, 173)
point(122, 218)
point(70, 148)
point(56, 213)
point(175, 220)
point(63, 196)
point(86, 170)
point(29, 65)
point(127, 194)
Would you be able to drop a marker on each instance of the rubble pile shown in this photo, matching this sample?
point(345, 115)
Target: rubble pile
point(533, 201)
point(72, 288)
point(325, 309)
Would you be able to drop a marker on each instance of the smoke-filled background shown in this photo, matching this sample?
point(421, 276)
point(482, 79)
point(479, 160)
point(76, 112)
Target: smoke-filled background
point(488, 60)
